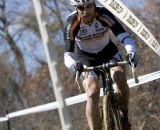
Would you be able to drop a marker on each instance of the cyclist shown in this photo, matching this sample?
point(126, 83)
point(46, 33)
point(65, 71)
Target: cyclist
point(88, 28)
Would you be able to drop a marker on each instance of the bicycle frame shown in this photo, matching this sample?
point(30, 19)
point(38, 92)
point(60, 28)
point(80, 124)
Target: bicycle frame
point(106, 80)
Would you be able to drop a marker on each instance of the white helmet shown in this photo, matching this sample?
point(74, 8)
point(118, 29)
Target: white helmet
point(81, 2)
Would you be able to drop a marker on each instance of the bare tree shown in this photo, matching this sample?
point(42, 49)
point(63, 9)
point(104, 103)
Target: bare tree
point(10, 40)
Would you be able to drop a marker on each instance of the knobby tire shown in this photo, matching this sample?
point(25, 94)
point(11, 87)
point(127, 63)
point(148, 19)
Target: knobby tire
point(111, 114)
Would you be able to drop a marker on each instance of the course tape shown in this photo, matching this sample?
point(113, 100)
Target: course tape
point(129, 19)
point(76, 99)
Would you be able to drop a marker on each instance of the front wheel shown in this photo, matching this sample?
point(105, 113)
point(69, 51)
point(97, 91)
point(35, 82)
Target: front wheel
point(111, 113)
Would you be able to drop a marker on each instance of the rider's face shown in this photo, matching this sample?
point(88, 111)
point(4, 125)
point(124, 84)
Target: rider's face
point(87, 12)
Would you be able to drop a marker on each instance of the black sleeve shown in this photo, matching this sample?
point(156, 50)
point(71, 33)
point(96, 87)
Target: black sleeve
point(116, 27)
point(69, 46)
point(70, 30)
point(68, 41)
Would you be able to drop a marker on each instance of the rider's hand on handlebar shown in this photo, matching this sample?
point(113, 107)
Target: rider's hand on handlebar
point(77, 66)
point(132, 59)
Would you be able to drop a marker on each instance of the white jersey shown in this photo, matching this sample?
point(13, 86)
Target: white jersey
point(95, 37)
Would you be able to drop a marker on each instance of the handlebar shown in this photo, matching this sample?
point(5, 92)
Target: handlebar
point(108, 66)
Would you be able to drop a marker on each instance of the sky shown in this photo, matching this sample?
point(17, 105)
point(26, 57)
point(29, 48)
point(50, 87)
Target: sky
point(134, 3)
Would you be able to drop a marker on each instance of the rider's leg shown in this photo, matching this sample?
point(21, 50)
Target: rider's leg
point(118, 75)
point(92, 89)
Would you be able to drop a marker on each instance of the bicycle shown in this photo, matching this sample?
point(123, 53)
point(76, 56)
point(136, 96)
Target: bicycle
point(111, 111)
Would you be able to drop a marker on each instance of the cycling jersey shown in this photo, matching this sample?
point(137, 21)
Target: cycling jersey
point(94, 38)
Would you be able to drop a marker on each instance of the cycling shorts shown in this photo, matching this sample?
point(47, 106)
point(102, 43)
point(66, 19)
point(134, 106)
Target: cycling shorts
point(109, 53)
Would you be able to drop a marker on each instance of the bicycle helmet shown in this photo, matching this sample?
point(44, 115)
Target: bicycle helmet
point(81, 2)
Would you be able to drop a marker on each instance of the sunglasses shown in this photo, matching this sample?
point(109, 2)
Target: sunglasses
point(81, 8)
